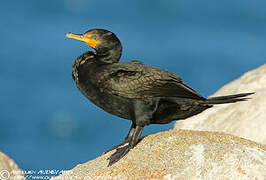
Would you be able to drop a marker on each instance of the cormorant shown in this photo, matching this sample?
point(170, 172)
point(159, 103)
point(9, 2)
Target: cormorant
point(131, 90)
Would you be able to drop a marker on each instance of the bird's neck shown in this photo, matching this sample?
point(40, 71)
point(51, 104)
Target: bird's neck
point(82, 62)
point(109, 56)
point(94, 60)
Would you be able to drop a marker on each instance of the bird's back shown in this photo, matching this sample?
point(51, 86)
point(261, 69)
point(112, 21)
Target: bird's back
point(137, 81)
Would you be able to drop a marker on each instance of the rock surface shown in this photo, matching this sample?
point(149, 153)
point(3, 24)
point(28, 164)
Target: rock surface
point(9, 169)
point(181, 154)
point(243, 119)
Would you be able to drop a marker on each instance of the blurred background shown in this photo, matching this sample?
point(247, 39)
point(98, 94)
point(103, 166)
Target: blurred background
point(45, 121)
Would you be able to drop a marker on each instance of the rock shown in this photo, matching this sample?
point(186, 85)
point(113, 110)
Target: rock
point(180, 154)
point(9, 169)
point(244, 119)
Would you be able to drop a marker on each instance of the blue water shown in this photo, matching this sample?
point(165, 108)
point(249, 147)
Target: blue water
point(45, 121)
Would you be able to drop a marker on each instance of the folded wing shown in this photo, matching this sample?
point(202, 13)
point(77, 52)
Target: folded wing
point(138, 81)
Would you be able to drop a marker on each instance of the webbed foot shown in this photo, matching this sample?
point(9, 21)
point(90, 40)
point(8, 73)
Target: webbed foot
point(121, 152)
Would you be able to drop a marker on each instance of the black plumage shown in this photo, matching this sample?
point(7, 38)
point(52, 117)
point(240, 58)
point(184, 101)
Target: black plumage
point(131, 90)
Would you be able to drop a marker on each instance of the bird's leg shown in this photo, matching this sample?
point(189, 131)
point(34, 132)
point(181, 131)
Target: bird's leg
point(127, 139)
point(144, 111)
point(121, 152)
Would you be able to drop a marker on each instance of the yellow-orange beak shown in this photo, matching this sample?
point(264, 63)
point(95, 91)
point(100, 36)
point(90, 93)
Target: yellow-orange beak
point(92, 42)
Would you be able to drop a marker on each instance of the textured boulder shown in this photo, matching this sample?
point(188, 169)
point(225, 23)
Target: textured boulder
point(9, 169)
point(243, 119)
point(181, 154)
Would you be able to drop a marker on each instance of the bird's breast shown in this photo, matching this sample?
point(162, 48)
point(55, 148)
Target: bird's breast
point(113, 104)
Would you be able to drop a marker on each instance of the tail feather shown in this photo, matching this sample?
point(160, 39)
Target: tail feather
point(226, 99)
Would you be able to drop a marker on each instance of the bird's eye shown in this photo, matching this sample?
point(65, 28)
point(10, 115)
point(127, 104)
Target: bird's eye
point(93, 37)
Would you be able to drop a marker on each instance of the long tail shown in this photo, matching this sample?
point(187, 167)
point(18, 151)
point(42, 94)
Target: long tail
point(227, 99)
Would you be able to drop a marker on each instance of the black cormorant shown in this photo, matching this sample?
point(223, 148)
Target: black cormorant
point(131, 90)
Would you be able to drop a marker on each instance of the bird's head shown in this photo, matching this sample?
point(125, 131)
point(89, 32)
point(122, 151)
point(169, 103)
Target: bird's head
point(103, 41)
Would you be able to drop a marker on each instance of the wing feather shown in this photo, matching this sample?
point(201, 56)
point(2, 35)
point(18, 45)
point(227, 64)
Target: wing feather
point(135, 80)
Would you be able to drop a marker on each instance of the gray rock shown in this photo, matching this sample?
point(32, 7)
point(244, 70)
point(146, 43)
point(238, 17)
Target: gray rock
point(181, 154)
point(243, 119)
point(9, 169)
